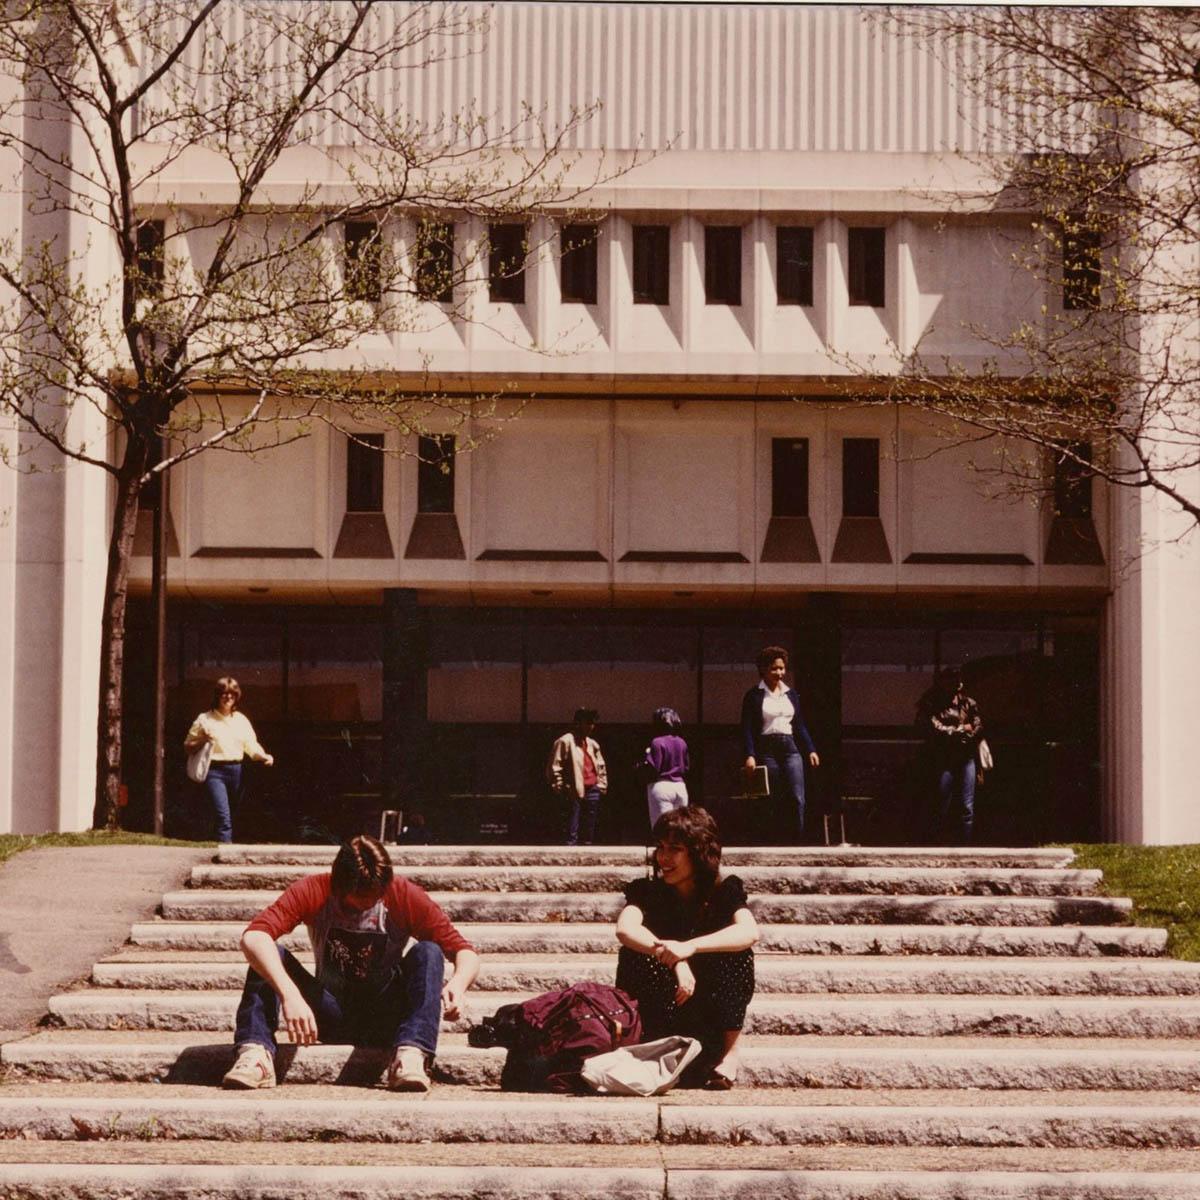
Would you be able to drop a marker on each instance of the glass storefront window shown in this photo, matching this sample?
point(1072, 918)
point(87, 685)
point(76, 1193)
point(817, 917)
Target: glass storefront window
point(335, 673)
point(1001, 670)
point(625, 672)
point(729, 668)
point(252, 654)
point(884, 672)
point(474, 675)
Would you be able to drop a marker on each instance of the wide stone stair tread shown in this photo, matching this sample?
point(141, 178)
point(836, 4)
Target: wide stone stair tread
point(768, 1061)
point(866, 1016)
point(209, 904)
point(381, 1117)
point(812, 1174)
point(733, 857)
point(1088, 941)
point(774, 972)
point(767, 880)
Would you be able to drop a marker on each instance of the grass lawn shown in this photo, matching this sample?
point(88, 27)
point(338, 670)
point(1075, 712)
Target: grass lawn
point(14, 843)
point(1162, 881)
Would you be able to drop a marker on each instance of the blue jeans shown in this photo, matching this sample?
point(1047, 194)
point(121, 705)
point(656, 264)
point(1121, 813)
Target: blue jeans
point(956, 801)
point(222, 786)
point(589, 809)
point(406, 1012)
point(785, 775)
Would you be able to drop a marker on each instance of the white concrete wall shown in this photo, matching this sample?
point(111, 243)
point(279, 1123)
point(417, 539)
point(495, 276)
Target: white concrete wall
point(608, 476)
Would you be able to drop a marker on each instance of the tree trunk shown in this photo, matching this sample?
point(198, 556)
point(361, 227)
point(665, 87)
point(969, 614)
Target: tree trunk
point(107, 814)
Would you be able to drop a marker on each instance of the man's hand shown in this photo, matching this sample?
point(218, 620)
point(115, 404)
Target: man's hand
point(669, 952)
point(299, 1020)
point(749, 765)
point(814, 759)
point(685, 983)
point(269, 761)
point(452, 998)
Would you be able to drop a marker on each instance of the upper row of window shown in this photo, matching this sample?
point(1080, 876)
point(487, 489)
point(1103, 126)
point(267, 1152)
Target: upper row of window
point(578, 258)
point(436, 454)
point(435, 273)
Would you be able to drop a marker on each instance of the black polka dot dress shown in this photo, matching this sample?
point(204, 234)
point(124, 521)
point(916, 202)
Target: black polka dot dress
point(724, 982)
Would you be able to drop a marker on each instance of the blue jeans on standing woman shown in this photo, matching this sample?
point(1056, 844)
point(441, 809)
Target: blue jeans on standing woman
point(583, 812)
point(222, 786)
point(956, 801)
point(406, 1011)
point(785, 774)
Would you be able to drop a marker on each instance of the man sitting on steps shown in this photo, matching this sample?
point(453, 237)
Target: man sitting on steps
point(367, 991)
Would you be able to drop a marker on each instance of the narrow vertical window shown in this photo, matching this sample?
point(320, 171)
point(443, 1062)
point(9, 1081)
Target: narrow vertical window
point(1081, 269)
point(435, 473)
point(148, 277)
point(435, 261)
point(1073, 480)
point(506, 264)
point(363, 262)
point(578, 262)
point(723, 264)
point(651, 264)
point(789, 477)
point(866, 268)
point(794, 264)
point(860, 477)
point(364, 473)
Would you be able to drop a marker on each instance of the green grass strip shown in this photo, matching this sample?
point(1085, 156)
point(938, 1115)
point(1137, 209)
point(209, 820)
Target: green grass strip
point(14, 843)
point(1162, 881)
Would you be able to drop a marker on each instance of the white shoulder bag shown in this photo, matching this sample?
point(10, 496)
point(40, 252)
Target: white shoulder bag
point(198, 762)
point(648, 1069)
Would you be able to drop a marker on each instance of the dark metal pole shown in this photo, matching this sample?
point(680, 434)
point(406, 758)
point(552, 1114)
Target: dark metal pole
point(158, 602)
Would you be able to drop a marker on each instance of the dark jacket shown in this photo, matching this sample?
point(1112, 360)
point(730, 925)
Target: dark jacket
point(950, 725)
point(752, 706)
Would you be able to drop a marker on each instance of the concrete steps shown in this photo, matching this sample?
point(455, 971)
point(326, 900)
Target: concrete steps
point(237, 905)
point(1052, 1064)
point(276, 1117)
point(929, 1023)
point(635, 857)
point(792, 974)
point(837, 1015)
point(388, 1182)
point(1103, 941)
point(759, 880)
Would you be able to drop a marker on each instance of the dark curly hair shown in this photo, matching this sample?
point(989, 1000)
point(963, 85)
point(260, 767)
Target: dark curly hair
point(696, 831)
point(767, 655)
point(361, 865)
point(665, 720)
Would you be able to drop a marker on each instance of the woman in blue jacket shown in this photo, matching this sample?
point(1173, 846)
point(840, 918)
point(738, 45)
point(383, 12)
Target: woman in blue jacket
point(773, 731)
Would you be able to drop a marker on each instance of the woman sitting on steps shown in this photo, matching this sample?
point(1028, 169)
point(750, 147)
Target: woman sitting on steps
point(686, 937)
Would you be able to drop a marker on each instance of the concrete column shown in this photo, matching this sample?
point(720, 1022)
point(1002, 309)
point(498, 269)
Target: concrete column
point(405, 666)
point(59, 541)
point(829, 280)
point(1152, 704)
point(907, 293)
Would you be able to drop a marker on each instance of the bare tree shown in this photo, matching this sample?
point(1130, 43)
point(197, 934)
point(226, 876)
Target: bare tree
point(1093, 138)
point(232, 319)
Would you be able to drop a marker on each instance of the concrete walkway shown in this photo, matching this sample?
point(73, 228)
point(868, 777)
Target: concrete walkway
point(61, 908)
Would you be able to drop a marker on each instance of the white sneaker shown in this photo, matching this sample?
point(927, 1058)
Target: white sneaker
point(255, 1068)
point(407, 1071)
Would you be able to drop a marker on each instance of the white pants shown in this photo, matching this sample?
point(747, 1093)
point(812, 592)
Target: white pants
point(665, 796)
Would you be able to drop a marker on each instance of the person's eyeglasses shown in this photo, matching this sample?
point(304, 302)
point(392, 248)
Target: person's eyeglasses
point(224, 694)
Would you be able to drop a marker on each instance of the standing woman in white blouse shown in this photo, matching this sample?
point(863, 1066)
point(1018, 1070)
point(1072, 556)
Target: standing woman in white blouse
point(773, 732)
point(233, 739)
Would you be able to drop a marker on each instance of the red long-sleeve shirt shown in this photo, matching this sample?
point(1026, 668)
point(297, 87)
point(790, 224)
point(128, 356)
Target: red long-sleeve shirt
point(410, 911)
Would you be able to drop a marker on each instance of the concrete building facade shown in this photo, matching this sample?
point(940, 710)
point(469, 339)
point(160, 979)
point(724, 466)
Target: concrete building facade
point(688, 473)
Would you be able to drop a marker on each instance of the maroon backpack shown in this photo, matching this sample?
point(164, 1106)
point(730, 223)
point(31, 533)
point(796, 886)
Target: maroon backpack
point(549, 1036)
